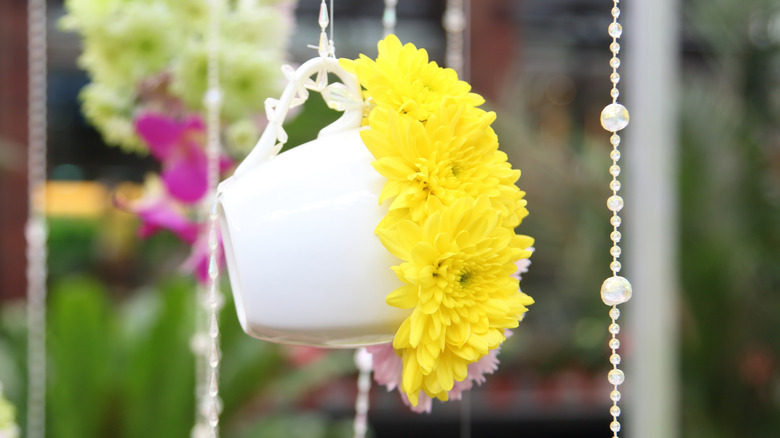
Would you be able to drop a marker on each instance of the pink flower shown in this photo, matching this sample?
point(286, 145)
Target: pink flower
point(157, 211)
point(178, 145)
point(388, 371)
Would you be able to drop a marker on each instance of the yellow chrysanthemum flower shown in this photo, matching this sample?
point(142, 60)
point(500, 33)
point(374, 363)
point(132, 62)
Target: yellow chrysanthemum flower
point(457, 268)
point(453, 209)
point(403, 80)
point(452, 155)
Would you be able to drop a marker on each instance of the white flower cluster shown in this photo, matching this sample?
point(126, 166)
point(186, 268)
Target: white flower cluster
point(152, 54)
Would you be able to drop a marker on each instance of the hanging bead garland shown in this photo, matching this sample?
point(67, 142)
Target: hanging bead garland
point(616, 289)
point(363, 360)
point(326, 46)
point(36, 230)
point(209, 404)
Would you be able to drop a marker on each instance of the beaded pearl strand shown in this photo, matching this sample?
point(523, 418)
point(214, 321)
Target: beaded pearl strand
point(615, 289)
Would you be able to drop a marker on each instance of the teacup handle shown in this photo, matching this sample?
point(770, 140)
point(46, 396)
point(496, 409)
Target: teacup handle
point(296, 93)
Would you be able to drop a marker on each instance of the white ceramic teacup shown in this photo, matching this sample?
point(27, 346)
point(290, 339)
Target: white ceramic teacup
point(298, 231)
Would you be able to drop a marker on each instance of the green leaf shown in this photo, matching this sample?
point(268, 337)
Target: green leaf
point(156, 365)
point(80, 351)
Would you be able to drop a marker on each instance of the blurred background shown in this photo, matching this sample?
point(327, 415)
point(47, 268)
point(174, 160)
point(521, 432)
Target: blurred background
point(120, 313)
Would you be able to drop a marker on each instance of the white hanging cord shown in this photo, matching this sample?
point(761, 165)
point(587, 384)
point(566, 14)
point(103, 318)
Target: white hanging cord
point(363, 360)
point(208, 402)
point(389, 17)
point(455, 22)
point(332, 45)
point(616, 289)
point(36, 230)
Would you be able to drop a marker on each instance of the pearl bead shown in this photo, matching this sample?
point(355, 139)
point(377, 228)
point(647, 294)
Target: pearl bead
point(615, 30)
point(614, 116)
point(616, 377)
point(615, 203)
point(615, 290)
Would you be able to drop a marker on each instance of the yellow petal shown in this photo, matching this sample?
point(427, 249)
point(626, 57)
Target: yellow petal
point(418, 324)
point(393, 168)
point(347, 64)
point(444, 373)
point(401, 339)
point(394, 241)
point(405, 297)
point(424, 254)
point(389, 190)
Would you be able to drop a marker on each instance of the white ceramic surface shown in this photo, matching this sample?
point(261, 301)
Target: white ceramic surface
point(304, 262)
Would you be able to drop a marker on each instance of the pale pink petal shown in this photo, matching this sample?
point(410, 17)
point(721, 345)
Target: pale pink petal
point(424, 403)
point(522, 266)
point(387, 365)
point(458, 388)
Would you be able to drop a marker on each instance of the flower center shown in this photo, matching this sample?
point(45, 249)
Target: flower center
point(464, 279)
point(455, 169)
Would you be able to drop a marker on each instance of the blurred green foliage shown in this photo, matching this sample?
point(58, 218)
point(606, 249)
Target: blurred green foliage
point(730, 221)
point(123, 368)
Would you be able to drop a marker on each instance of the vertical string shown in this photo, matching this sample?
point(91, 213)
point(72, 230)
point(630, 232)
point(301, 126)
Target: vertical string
point(332, 44)
point(207, 337)
point(36, 230)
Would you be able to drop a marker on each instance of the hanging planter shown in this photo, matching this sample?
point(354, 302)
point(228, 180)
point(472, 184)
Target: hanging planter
point(298, 228)
point(395, 224)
